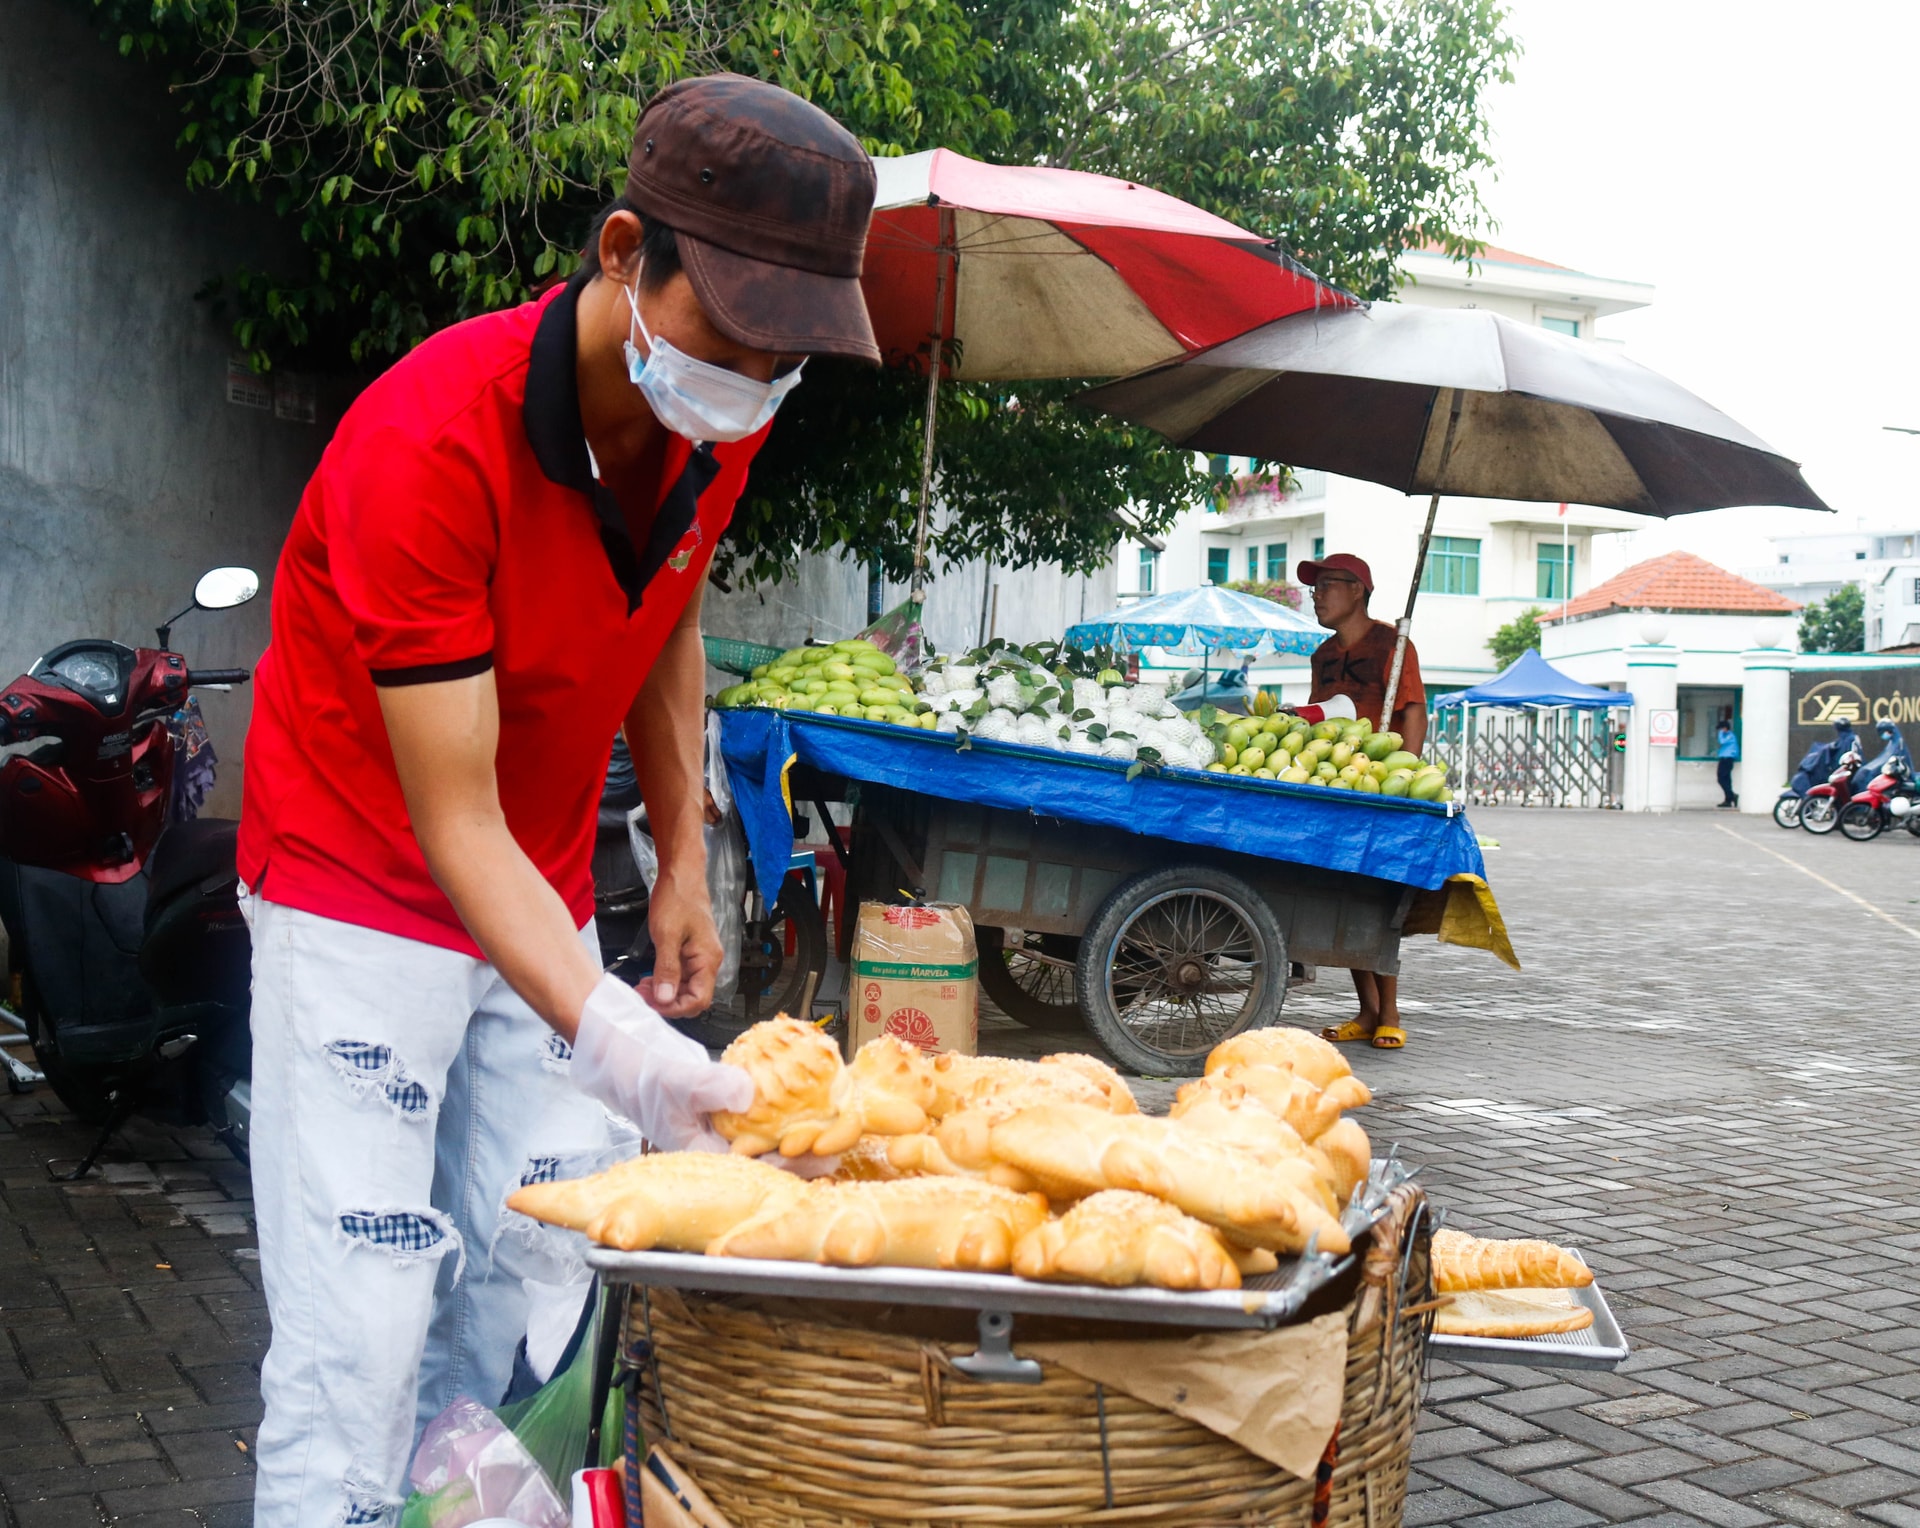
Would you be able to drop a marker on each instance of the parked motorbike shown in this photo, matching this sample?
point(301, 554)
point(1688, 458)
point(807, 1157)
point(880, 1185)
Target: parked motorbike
point(128, 961)
point(1815, 767)
point(1820, 809)
point(1891, 796)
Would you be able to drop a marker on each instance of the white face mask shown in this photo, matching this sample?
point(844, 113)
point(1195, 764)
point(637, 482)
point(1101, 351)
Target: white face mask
point(697, 399)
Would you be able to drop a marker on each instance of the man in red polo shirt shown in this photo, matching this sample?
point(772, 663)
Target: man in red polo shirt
point(498, 563)
point(1350, 673)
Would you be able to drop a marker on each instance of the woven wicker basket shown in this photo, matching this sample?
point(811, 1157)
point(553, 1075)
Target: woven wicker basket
point(794, 1416)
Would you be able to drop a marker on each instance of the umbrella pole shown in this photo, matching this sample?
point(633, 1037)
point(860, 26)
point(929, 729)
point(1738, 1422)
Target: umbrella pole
point(941, 256)
point(1405, 627)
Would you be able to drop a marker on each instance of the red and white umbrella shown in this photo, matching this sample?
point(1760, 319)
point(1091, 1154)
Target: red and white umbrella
point(990, 272)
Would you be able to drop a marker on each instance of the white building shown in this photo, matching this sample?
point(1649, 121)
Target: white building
point(1696, 646)
point(1491, 559)
point(1884, 563)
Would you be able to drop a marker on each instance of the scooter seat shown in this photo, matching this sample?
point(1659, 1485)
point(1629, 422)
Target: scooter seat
point(188, 854)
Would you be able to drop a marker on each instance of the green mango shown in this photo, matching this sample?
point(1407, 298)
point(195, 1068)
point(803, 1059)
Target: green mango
point(1367, 784)
point(759, 671)
point(1381, 744)
point(878, 663)
point(1396, 784)
point(1427, 785)
point(878, 695)
point(1401, 759)
point(1108, 678)
point(1328, 731)
point(1294, 741)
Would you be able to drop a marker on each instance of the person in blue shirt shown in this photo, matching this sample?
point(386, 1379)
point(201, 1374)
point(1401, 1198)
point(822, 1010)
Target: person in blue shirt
point(1726, 750)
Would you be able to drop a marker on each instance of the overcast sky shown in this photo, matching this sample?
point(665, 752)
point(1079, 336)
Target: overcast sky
point(1759, 164)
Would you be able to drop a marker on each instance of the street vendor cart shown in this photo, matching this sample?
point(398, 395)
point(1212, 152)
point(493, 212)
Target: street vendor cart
point(1164, 909)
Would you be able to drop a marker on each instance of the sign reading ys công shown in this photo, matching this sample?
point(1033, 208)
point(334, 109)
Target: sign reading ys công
point(1862, 696)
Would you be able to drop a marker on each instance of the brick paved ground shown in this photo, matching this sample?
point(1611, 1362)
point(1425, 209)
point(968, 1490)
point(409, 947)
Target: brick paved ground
point(1707, 1078)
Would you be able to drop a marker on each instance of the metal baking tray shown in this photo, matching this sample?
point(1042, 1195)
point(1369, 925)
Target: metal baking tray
point(1601, 1346)
point(1264, 1302)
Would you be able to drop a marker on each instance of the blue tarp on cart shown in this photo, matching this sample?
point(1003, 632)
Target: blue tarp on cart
point(1416, 843)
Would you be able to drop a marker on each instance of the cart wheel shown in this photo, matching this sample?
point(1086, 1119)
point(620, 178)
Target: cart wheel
point(1032, 980)
point(1176, 961)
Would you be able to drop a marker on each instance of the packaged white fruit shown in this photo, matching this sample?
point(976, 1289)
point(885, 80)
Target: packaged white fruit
point(1124, 719)
point(949, 721)
point(962, 676)
point(1087, 694)
point(933, 682)
point(1079, 742)
point(995, 726)
point(1117, 695)
point(1119, 748)
point(1033, 731)
point(1004, 691)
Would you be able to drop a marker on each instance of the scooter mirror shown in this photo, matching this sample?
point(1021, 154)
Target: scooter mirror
point(223, 588)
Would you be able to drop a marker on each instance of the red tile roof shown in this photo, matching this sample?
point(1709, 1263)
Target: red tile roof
point(1678, 581)
point(1494, 254)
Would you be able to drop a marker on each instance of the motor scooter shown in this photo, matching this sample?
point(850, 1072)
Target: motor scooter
point(1891, 796)
point(1820, 808)
point(127, 960)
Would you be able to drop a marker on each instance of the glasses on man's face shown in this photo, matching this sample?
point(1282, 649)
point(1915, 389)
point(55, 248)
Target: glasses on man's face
point(1320, 584)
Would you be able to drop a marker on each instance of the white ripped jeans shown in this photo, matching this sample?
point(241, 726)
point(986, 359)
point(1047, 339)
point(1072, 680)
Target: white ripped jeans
point(400, 1091)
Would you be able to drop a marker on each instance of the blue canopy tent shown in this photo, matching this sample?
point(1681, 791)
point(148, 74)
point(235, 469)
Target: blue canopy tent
point(1204, 620)
point(1531, 681)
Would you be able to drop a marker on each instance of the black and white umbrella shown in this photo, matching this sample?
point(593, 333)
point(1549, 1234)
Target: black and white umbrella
point(1457, 401)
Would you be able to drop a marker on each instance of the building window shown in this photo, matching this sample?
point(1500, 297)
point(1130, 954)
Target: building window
point(1219, 564)
point(1149, 567)
point(1859, 556)
point(1276, 561)
point(1561, 325)
point(1319, 547)
point(1916, 592)
point(1785, 558)
point(1553, 576)
point(1702, 710)
point(1253, 564)
point(1453, 566)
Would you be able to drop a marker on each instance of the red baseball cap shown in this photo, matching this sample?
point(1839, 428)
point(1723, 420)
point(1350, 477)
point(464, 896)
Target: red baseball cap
point(1340, 562)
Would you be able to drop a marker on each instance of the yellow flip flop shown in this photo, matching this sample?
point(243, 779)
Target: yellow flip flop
point(1341, 1034)
point(1389, 1037)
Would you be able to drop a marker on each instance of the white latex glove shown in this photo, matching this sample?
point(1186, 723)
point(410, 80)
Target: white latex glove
point(637, 1064)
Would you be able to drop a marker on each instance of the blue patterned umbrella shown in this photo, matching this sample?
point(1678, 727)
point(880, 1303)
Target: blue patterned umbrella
point(1210, 618)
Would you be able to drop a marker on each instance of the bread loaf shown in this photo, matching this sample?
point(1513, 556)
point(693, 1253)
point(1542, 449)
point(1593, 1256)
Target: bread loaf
point(1119, 1238)
point(1280, 1092)
point(806, 1100)
point(675, 1201)
point(1120, 1099)
point(1071, 1151)
point(1295, 1050)
point(951, 1223)
point(968, 1082)
point(1276, 1143)
point(1462, 1262)
point(1511, 1313)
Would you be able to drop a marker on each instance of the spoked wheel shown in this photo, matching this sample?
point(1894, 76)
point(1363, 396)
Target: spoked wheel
point(1786, 811)
point(772, 981)
point(1030, 977)
point(1820, 814)
point(1861, 820)
point(1176, 961)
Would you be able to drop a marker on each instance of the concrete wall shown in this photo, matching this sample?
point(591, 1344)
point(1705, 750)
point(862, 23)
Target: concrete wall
point(124, 472)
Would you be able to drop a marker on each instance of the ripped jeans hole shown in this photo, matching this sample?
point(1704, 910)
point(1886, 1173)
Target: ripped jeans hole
point(368, 1505)
point(407, 1236)
point(558, 1056)
point(540, 1170)
point(373, 1068)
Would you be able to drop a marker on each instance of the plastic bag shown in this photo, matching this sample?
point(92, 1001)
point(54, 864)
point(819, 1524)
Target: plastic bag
point(727, 887)
point(470, 1467)
point(902, 638)
point(552, 1424)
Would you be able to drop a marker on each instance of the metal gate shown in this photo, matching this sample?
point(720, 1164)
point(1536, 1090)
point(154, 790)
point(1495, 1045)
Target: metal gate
point(1555, 756)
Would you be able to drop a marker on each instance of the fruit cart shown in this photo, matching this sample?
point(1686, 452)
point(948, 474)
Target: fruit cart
point(1163, 909)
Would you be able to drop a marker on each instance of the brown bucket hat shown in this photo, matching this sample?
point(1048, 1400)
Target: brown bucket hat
point(770, 200)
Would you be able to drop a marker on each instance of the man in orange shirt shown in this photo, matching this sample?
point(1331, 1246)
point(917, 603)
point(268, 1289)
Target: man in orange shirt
point(1353, 665)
